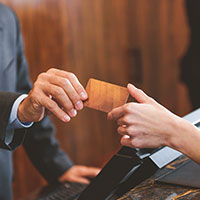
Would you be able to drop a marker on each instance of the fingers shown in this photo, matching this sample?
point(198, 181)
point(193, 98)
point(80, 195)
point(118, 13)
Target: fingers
point(139, 95)
point(90, 171)
point(73, 79)
point(132, 142)
point(61, 98)
point(122, 130)
point(63, 93)
point(126, 120)
point(138, 122)
point(126, 141)
point(80, 180)
point(115, 113)
point(79, 173)
point(54, 108)
point(84, 173)
point(79, 88)
point(68, 89)
point(121, 111)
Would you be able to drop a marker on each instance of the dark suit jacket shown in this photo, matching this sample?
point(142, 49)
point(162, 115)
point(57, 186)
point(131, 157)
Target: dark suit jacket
point(6, 101)
point(39, 142)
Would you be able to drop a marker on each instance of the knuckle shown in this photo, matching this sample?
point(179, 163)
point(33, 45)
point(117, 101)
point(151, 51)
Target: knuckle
point(75, 97)
point(135, 143)
point(83, 170)
point(140, 91)
point(122, 142)
point(38, 84)
point(65, 82)
point(79, 88)
point(51, 70)
point(58, 91)
point(119, 129)
point(133, 131)
point(33, 96)
point(126, 119)
point(69, 106)
point(71, 75)
point(127, 108)
point(62, 82)
point(74, 102)
point(130, 130)
point(41, 76)
point(51, 105)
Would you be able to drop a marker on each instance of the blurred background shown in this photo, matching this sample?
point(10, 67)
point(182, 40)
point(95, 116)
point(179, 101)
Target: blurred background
point(117, 41)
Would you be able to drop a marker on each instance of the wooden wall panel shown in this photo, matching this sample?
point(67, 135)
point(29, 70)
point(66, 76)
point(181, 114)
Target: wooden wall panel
point(118, 41)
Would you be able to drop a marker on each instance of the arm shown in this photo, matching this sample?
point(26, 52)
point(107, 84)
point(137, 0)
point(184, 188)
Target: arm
point(147, 124)
point(6, 101)
point(40, 144)
point(57, 91)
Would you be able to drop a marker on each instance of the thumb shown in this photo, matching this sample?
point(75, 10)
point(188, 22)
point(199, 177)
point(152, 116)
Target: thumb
point(139, 95)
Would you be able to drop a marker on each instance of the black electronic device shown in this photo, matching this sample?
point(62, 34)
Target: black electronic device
point(186, 174)
point(125, 170)
point(128, 168)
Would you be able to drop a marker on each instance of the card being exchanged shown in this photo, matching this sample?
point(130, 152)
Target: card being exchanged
point(105, 96)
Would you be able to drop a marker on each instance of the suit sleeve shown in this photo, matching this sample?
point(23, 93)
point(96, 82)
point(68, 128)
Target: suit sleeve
point(40, 144)
point(6, 101)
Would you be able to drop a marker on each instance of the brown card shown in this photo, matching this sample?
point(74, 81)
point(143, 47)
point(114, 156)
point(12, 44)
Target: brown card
point(105, 96)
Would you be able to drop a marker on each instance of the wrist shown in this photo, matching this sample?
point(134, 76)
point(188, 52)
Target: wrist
point(21, 114)
point(175, 132)
point(182, 134)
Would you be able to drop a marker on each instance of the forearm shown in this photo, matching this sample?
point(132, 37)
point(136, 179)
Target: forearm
point(8, 140)
point(186, 139)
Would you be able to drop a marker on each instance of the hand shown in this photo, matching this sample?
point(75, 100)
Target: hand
point(56, 91)
point(146, 124)
point(80, 174)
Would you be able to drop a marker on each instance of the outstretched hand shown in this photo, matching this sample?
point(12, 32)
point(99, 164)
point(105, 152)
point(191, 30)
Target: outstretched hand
point(145, 124)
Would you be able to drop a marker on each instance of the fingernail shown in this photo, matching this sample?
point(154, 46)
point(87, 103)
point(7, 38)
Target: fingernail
point(79, 105)
point(66, 118)
point(73, 112)
point(83, 95)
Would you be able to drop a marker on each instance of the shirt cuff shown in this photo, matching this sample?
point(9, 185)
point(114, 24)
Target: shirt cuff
point(14, 122)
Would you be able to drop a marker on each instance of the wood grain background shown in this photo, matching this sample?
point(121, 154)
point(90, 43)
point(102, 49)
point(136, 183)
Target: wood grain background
point(118, 41)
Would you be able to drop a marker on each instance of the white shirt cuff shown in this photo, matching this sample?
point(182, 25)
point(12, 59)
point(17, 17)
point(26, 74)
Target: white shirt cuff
point(14, 122)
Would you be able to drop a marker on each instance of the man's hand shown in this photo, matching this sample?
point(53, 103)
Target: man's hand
point(146, 124)
point(80, 174)
point(56, 91)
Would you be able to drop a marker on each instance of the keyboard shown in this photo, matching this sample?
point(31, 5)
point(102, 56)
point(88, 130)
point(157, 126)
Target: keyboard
point(64, 191)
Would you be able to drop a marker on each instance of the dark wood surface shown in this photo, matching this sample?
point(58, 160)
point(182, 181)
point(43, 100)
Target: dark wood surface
point(151, 189)
point(147, 190)
point(154, 191)
point(117, 41)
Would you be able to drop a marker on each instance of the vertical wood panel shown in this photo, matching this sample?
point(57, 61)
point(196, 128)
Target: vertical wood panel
point(118, 41)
